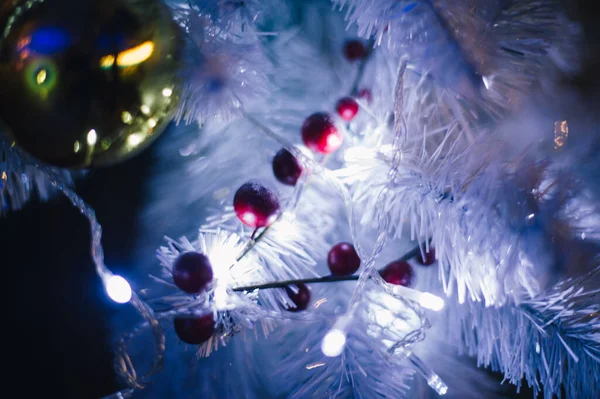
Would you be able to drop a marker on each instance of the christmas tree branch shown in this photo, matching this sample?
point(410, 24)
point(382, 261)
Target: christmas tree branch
point(354, 91)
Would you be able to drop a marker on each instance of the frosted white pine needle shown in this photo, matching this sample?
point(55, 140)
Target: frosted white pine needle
point(20, 178)
point(474, 48)
point(552, 342)
point(451, 184)
point(288, 249)
point(366, 368)
point(235, 311)
point(222, 69)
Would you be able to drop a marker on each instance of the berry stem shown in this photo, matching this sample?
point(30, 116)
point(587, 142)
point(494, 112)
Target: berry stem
point(361, 68)
point(326, 279)
point(253, 241)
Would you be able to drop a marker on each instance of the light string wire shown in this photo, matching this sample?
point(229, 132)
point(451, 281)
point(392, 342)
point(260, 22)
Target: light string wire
point(123, 364)
point(140, 305)
point(400, 137)
point(307, 174)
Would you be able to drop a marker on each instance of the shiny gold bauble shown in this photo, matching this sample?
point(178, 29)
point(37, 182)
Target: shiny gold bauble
point(86, 83)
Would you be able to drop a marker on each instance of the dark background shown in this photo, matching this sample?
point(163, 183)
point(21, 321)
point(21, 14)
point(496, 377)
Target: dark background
point(56, 327)
point(55, 312)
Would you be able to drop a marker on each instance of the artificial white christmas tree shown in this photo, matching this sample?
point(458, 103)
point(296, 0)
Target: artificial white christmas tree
point(365, 191)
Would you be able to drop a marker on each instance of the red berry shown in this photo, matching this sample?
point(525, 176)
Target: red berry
point(355, 50)
point(343, 259)
point(320, 134)
point(366, 95)
point(255, 205)
point(398, 273)
point(429, 258)
point(195, 330)
point(192, 272)
point(286, 167)
point(347, 108)
point(300, 295)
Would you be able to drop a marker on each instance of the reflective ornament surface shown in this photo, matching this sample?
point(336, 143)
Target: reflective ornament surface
point(87, 83)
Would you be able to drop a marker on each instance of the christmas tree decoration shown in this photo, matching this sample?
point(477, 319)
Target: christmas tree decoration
point(398, 273)
point(453, 161)
point(320, 134)
point(255, 205)
point(228, 65)
point(428, 259)
point(195, 330)
point(229, 297)
point(118, 289)
point(343, 259)
point(286, 167)
point(299, 295)
point(358, 354)
point(85, 94)
point(355, 50)
point(347, 108)
point(192, 272)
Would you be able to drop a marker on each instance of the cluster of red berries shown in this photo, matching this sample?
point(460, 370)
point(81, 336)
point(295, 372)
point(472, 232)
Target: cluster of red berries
point(258, 206)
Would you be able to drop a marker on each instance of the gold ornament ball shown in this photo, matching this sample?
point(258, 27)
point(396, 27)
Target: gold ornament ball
point(87, 83)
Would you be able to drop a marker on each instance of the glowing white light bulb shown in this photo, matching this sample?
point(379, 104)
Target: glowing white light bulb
point(425, 299)
point(433, 380)
point(432, 302)
point(118, 289)
point(333, 343)
point(167, 92)
point(92, 137)
point(436, 383)
point(135, 139)
point(356, 153)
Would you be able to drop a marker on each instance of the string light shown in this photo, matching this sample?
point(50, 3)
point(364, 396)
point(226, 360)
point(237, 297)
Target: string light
point(431, 302)
point(92, 137)
point(333, 343)
point(118, 289)
point(433, 380)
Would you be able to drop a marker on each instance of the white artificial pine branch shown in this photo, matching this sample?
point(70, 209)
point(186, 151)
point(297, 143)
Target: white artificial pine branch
point(20, 178)
point(234, 311)
point(453, 184)
point(471, 48)
point(224, 66)
point(552, 342)
point(367, 368)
